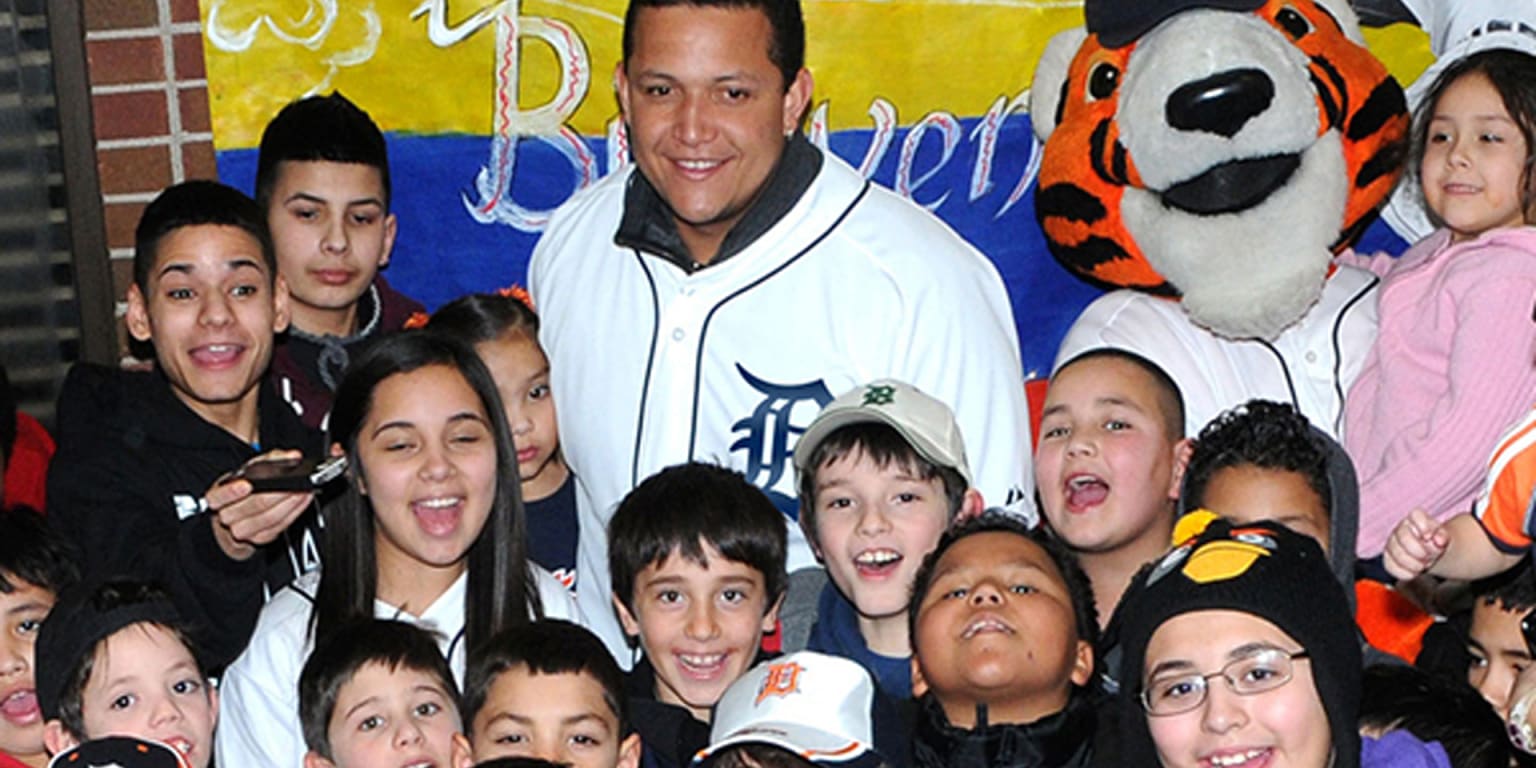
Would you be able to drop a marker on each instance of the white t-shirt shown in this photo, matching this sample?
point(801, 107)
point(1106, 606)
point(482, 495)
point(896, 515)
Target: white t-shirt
point(259, 694)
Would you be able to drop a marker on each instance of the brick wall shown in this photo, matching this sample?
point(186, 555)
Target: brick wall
point(149, 99)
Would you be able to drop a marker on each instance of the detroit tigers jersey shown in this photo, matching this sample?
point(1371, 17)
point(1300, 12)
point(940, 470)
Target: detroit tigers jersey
point(1507, 504)
point(1310, 365)
point(653, 366)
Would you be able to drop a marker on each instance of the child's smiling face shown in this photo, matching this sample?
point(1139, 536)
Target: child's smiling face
point(874, 526)
point(1285, 727)
point(1108, 465)
point(700, 624)
point(145, 683)
point(1473, 169)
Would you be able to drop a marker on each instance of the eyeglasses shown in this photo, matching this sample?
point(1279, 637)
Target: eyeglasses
point(1263, 670)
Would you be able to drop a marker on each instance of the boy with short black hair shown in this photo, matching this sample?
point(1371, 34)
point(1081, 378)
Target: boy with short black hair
point(1109, 464)
point(1003, 633)
point(1264, 461)
point(112, 658)
point(379, 692)
point(34, 567)
point(549, 690)
point(882, 474)
point(146, 460)
point(1495, 648)
point(697, 558)
point(322, 178)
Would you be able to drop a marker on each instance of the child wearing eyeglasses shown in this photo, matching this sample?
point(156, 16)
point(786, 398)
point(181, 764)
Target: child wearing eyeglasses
point(1240, 649)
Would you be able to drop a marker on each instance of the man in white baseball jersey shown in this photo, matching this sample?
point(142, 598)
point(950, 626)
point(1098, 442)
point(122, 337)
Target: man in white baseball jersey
point(705, 303)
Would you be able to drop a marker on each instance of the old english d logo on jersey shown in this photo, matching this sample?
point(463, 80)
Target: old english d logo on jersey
point(765, 433)
point(782, 680)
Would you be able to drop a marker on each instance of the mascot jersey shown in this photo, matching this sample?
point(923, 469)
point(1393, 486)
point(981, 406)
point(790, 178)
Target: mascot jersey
point(653, 365)
point(1310, 365)
point(1505, 505)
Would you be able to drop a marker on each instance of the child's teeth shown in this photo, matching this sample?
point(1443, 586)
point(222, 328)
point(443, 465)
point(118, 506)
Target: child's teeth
point(985, 625)
point(1239, 759)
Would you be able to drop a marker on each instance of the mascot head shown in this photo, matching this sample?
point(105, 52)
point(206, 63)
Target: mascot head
point(1214, 150)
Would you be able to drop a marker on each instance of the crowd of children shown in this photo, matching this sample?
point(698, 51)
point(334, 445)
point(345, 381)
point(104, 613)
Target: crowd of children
point(1185, 600)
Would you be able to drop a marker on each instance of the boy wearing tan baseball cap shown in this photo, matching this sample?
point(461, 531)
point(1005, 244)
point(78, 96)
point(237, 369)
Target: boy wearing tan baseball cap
point(882, 474)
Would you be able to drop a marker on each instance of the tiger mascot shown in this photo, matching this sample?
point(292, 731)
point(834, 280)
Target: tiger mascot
point(1213, 155)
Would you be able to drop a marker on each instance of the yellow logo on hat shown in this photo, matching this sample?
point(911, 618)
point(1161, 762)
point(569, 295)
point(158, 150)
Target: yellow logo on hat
point(782, 679)
point(1228, 558)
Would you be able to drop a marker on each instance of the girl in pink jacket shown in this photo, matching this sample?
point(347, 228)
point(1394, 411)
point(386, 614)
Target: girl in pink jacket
point(1455, 359)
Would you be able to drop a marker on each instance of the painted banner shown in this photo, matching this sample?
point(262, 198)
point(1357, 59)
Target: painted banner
point(497, 111)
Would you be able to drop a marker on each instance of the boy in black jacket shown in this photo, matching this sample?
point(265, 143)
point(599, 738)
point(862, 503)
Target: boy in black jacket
point(1003, 629)
point(142, 483)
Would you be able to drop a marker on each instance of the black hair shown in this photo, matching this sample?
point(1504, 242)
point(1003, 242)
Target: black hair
point(546, 647)
point(786, 49)
point(320, 128)
point(1513, 74)
point(1513, 589)
point(883, 446)
point(32, 553)
point(520, 761)
point(353, 645)
point(756, 754)
point(1263, 434)
point(1170, 399)
point(1079, 589)
point(501, 589)
point(7, 420)
point(193, 204)
point(1399, 697)
point(107, 597)
point(482, 317)
point(681, 508)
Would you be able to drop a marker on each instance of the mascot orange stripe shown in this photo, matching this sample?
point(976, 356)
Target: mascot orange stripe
point(1085, 169)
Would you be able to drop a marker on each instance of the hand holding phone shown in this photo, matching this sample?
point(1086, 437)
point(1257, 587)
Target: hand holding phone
point(300, 474)
point(248, 511)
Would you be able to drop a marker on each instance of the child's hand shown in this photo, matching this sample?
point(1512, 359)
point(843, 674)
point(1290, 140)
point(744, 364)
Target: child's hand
point(1415, 546)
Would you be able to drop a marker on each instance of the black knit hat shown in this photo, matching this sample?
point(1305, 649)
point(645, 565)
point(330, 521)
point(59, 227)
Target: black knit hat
point(1263, 569)
point(80, 619)
point(1118, 22)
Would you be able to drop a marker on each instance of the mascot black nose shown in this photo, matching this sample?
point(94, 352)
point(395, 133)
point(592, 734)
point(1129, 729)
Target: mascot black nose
point(1220, 104)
